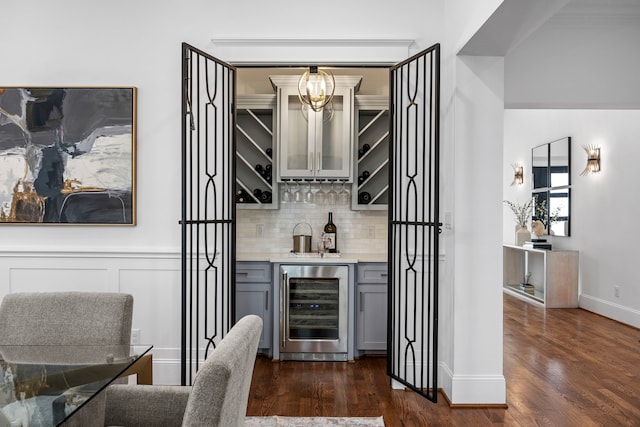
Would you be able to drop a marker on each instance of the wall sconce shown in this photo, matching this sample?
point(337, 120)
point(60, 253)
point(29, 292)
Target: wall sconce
point(316, 88)
point(518, 174)
point(593, 159)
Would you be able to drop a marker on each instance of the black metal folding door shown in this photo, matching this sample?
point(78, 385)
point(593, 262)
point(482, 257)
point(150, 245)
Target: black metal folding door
point(208, 211)
point(412, 346)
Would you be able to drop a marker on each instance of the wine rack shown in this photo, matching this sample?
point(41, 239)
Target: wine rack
point(371, 172)
point(256, 187)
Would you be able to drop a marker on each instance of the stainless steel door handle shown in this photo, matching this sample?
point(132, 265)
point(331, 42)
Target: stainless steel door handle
point(284, 308)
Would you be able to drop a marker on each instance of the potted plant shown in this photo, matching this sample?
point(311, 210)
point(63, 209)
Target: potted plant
point(522, 212)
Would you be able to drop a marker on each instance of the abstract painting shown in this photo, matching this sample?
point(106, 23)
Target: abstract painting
point(67, 155)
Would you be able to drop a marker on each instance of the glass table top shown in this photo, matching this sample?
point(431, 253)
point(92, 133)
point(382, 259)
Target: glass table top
point(44, 385)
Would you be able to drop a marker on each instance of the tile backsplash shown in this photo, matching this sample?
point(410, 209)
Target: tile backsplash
point(359, 232)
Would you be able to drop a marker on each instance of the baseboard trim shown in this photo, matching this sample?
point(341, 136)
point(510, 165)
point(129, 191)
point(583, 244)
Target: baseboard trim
point(471, 405)
point(472, 391)
point(617, 312)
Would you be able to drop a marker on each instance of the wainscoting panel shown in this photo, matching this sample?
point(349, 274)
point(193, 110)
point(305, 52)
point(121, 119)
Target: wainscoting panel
point(42, 279)
point(156, 301)
point(153, 278)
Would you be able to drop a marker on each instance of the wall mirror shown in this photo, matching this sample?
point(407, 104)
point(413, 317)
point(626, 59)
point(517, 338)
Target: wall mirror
point(551, 170)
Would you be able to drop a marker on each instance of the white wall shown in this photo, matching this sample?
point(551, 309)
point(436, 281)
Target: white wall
point(577, 70)
point(604, 207)
point(121, 43)
point(470, 298)
point(477, 361)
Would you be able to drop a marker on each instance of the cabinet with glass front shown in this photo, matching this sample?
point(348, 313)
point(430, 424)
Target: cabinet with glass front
point(315, 144)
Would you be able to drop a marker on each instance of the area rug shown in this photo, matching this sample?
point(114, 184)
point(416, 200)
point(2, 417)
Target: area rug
point(277, 421)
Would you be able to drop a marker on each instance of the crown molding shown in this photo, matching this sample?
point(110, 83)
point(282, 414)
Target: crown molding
point(278, 51)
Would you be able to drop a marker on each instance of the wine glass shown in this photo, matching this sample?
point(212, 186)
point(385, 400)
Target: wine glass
point(321, 196)
point(344, 195)
point(332, 195)
point(297, 197)
point(309, 197)
point(286, 194)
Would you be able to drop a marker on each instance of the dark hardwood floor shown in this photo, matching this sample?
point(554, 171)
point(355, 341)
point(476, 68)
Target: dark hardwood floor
point(564, 367)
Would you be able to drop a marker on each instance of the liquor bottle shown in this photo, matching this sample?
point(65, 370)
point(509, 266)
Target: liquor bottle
point(330, 235)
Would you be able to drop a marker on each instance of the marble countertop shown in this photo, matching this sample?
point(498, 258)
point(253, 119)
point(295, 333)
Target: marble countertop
point(346, 258)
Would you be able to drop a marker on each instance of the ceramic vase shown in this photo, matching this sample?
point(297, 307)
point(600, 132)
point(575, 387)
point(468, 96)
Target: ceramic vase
point(522, 235)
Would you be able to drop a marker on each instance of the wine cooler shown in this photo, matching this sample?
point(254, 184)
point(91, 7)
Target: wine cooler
point(314, 312)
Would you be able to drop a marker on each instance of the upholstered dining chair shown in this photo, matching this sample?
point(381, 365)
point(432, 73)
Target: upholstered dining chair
point(68, 318)
point(218, 397)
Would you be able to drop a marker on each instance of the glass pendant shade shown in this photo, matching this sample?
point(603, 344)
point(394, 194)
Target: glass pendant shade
point(316, 88)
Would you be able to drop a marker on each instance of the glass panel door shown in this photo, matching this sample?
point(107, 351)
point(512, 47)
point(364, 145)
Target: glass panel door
point(296, 150)
point(314, 310)
point(331, 138)
point(334, 136)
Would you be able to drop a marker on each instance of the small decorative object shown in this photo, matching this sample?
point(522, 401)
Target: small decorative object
point(522, 213)
point(526, 286)
point(593, 159)
point(537, 228)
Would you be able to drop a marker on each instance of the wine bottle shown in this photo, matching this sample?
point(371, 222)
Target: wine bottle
point(269, 152)
point(265, 197)
point(364, 198)
point(330, 235)
point(259, 168)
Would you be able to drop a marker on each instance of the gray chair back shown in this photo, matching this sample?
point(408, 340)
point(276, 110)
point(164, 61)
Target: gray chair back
point(220, 391)
point(66, 318)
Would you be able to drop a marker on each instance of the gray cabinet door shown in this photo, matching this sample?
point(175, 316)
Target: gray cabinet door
point(372, 319)
point(372, 304)
point(254, 296)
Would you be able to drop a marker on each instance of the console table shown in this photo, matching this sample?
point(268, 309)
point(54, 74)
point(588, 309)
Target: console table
point(554, 275)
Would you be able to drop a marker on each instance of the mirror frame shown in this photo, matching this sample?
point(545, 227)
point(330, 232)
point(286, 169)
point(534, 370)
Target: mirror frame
point(551, 179)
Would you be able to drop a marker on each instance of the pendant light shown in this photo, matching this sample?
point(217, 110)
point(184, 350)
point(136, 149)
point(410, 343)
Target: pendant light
point(316, 88)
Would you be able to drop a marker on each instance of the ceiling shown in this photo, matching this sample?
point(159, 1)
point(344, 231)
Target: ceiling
point(515, 20)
